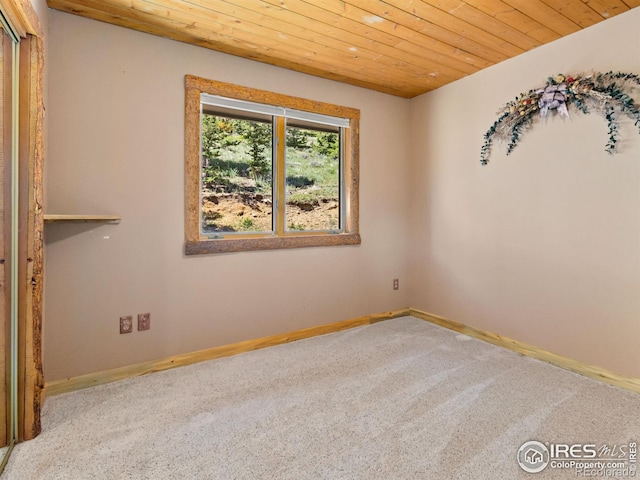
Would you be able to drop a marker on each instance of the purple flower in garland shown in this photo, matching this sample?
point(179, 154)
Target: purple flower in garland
point(553, 97)
point(603, 92)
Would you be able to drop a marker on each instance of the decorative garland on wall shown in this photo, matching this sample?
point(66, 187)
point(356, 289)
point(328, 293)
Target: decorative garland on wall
point(600, 92)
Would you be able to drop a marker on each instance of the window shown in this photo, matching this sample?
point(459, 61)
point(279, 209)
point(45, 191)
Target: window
point(266, 171)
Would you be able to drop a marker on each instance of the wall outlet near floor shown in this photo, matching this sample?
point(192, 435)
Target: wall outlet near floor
point(144, 321)
point(126, 324)
point(396, 284)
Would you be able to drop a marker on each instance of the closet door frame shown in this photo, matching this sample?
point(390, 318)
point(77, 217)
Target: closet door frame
point(29, 234)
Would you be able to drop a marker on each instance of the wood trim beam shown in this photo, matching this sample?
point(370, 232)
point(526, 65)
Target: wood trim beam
point(22, 16)
point(228, 245)
point(239, 92)
point(34, 361)
point(24, 19)
point(30, 253)
point(192, 162)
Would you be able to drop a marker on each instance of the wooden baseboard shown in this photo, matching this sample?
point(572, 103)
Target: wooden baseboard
point(77, 383)
point(591, 371)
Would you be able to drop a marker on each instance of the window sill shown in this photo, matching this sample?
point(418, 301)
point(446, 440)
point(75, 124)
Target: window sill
point(222, 245)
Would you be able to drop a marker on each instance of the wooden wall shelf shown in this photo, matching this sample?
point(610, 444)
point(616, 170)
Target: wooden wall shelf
point(54, 218)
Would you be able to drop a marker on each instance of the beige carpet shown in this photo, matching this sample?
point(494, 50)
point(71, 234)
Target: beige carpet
point(400, 399)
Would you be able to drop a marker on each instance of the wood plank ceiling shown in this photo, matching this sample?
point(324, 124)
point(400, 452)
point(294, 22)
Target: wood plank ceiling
point(400, 47)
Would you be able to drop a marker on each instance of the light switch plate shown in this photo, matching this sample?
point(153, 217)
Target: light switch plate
point(144, 321)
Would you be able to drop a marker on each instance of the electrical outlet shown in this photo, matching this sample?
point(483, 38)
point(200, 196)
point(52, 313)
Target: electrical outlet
point(144, 321)
point(396, 284)
point(126, 324)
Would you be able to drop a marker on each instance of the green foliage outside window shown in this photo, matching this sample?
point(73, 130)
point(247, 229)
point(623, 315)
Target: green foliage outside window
point(237, 176)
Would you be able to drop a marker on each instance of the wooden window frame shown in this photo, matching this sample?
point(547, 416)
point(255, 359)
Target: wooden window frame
point(198, 244)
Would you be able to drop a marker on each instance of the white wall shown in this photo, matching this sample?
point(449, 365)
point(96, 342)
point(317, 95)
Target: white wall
point(542, 246)
point(116, 141)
